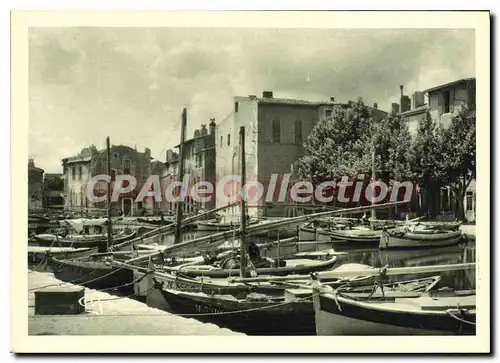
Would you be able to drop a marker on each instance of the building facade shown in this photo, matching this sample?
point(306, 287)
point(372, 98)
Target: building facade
point(199, 165)
point(53, 190)
point(443, 102)
point(79, 169)
point(275, 132)
point(35, 186)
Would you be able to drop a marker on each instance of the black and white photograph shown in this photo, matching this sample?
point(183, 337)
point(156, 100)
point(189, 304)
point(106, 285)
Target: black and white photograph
point(230, 176)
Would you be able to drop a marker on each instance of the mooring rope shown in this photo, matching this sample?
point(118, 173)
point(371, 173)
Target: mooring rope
point(451, 312)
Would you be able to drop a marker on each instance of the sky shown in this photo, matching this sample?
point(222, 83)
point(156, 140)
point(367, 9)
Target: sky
point(131, 84)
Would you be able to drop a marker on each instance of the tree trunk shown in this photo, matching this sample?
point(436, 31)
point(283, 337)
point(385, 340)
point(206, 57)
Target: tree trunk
point(459, 198)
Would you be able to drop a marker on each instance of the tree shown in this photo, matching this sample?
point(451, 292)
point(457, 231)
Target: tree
point(343, 144)
point(459, 150)
point(336, 146)
point(392, 141)
point(426, 161)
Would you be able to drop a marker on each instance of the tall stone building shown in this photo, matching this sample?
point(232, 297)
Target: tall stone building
point(199, 165)
point(275, 132)
point(79, 169)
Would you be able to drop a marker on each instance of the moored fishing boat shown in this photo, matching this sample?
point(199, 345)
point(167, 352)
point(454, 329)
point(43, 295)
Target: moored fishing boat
point(445, 226)
point(446, 313)
point(81, 241)
point(356, 235)
point(217, 226)
point(403, 237)
point(286, 312)
point(37, 253)
point(226, 269)
point(95, 274)
point(157, 221)
point(256, 314)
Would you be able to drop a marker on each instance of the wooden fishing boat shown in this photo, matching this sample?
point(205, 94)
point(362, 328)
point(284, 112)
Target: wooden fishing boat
point(294, 266)
point(255, 314)
point(217, 226)
point(81, 241)
point(357, 235)
point(157, 221)
point(401, 238)
point(445, 226)
point(289, 312)
point(95, 274)
point(37, 254)
point(435, 314)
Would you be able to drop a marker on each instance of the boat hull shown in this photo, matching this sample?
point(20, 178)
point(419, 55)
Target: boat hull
point(313, 234)
point(101, 243)
point(273, 271)
point(336, 317)
point(92, 274)
point(416, 240)
point(265, 318)
point(39, 254)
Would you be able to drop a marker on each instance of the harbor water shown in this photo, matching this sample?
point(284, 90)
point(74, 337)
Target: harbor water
point(371, 256)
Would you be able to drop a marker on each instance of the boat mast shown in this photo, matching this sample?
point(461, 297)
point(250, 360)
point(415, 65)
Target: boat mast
point(180, 203)
point(110, 229)
point(373, 216)
point(242, 203)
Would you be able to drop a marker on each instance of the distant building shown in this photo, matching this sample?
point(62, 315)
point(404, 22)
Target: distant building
point(35, 186)
point(79, 169)
point(53, 189)
point(199, 163)
point(444, 101)
point(275, 132)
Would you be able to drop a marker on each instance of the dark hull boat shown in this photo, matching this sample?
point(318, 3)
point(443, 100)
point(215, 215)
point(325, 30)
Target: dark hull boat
point(37, 254)
point(93, 274)
point(405, 239)
point(80, 241)
point(287, 312)
point(336, 314)
point(302, 266)
point(157, 221)
point(256, 314)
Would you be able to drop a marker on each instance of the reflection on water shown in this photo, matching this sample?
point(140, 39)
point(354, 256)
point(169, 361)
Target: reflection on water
point(374, 257)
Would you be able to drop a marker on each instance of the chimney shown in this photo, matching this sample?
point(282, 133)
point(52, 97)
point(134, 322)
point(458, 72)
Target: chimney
point(212, 126)
point(204, 130)
point(332, 99)
point(375, 105)
point(401, 88)
point(418, 99)
point(267, 94)
point(147, 152)
point(31, 163)
point(394, 109)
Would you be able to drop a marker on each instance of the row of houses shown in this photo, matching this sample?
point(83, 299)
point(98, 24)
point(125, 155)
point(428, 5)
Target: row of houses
point(276, 129)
